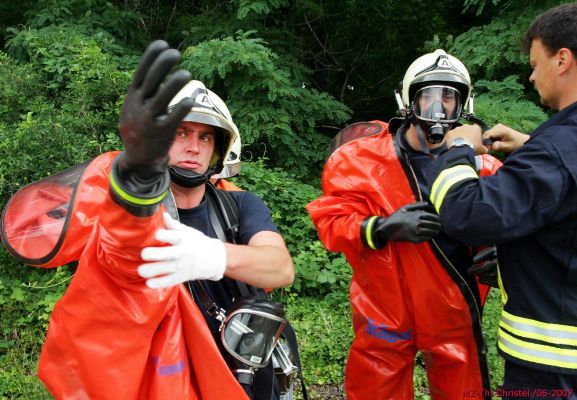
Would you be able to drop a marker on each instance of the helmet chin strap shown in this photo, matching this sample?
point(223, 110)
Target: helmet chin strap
point(189, 179)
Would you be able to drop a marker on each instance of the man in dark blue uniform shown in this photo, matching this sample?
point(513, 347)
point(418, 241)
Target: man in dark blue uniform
point(529, 209)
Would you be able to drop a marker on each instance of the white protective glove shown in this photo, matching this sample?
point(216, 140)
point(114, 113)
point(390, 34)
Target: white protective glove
point(193, 255)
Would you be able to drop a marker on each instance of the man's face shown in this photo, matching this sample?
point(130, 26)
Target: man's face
point(447, 97)
point(193, 146)
point(544, 73)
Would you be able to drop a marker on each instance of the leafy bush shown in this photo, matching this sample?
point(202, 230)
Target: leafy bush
point(503, 102)
point(324, 334)
point(318, 272)
point(27, 297)
point(276, 114)
point(21, 87)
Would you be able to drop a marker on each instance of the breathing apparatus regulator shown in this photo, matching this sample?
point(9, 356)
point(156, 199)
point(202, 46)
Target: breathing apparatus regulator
point(435, 91)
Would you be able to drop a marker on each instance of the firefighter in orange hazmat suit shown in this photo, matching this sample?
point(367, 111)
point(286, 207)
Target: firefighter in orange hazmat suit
point(410, 289)
point(111, 336)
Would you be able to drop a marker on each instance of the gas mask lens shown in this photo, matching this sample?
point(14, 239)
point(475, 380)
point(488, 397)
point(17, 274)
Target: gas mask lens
point(438, 104)
point(251, 332)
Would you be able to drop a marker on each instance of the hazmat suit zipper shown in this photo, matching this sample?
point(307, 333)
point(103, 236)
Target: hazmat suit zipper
point(463, 283)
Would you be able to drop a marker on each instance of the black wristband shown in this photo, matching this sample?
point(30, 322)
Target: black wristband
point(368, 237)
point(139, 196)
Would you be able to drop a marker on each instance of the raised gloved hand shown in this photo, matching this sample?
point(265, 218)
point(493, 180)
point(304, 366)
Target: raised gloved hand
point(416, 222)
point(485, 267)
point(147, 129)
point(192, 255)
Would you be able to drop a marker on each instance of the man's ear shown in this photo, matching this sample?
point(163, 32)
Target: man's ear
point(565, 60)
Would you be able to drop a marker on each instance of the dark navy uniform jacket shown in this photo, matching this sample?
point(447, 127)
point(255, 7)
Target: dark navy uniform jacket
point(529, 209)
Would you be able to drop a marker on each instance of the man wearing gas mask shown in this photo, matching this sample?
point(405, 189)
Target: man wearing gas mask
point(410, 290)
point(126, 328)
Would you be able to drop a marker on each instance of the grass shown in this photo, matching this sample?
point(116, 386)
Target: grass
point(324, 332)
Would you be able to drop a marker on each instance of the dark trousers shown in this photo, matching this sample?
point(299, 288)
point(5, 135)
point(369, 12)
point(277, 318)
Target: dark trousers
point(523, 383)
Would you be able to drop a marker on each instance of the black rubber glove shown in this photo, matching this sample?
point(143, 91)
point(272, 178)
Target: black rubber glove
point(139, 178)
point(415, 223)
point(485, 267)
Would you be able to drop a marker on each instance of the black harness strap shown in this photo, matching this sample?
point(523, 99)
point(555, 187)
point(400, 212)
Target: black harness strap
point(223, 215)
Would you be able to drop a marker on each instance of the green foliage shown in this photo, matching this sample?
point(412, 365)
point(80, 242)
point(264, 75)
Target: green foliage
point(59, 105)
point(318, 271)
point(491, 318)
point(274, 112)
point(503, 102)
point(21, 86)
point(292, 76)
point(479, 5)
point(492, 51)
point(95, 16)
point(66, 55)
point(27, 297)
point(245, 7)
point(324, 335)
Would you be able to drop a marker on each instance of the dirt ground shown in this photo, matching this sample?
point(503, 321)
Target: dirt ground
point(327, 392)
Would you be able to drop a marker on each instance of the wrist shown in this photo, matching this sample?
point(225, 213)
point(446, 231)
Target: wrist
point(460, 142)
point(140, 196)
point(217, 258)
point(368, 236)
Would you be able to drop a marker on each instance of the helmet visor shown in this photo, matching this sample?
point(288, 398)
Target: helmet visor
point(438, 104)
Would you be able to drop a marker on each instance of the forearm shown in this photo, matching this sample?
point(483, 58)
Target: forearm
point(495, 209)
point(338, 221)
point(264, 266)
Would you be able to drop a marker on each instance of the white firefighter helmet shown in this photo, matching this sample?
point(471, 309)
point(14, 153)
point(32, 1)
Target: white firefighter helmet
point(437, 68)
point(232, 162)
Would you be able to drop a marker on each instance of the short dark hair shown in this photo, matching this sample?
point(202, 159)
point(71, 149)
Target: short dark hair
point(555, 28)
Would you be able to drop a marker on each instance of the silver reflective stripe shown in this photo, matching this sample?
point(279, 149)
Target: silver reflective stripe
point(447, 179)
point(546, 332)
point(537, 353)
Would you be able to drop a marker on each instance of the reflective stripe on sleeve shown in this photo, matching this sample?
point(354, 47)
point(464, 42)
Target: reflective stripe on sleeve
point(532, 329)
point(504, 296)
point(537, 353)
point(368, 232)
point(447, 179)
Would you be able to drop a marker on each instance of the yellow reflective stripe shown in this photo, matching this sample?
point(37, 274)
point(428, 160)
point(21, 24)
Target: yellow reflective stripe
point(546, 332)
point(504, 296)
point(447, 179)
point(537, 353)
point(131, 199)
point(368, 231)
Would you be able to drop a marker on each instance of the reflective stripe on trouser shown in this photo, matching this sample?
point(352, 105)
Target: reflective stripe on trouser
point(447, 179)
point(557, 345)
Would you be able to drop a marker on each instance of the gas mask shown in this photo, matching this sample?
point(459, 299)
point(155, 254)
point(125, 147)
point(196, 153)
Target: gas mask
point(436, 108)
point(251, 329)
point(250, 332)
